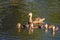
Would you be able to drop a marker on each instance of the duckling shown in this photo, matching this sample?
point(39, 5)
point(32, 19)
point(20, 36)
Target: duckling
point(54, 28)
point(46, 27)
point(19, 26)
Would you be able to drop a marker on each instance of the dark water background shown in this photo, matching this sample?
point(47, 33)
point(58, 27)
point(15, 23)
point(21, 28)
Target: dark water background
point(14, 11)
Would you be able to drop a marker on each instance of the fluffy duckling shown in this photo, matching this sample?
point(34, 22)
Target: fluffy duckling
point(19, 27)
point(54, 28)
point(46, 27)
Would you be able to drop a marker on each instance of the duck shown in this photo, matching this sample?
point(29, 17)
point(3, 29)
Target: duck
point(31, 24)
point(30, 20)
point(37, 20)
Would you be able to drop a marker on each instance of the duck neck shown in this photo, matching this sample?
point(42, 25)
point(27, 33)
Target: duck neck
point(30, 19)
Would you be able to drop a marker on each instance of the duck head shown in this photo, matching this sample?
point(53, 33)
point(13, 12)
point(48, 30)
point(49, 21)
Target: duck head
point(30, 14)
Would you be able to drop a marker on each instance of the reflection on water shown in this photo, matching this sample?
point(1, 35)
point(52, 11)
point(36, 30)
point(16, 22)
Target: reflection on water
point(19, 30)
point(31, 31)
point(46, 30)
point(53, 33)
point(12, 13)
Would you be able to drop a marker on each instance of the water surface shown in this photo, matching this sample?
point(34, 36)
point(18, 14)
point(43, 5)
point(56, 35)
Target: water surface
point(14, 11)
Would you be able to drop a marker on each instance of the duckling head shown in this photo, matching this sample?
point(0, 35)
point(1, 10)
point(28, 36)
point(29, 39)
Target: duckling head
point(46, 25)
point(54, 28)
point(43, 19)
point(18, 25)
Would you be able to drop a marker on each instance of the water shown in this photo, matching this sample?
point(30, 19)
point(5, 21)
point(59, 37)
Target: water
point(14, 11)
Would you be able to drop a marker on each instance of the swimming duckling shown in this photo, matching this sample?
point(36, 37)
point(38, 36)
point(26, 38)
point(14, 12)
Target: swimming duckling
point(38, 20)
point(19, 26)
point(54, 28)
point(46, 27)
